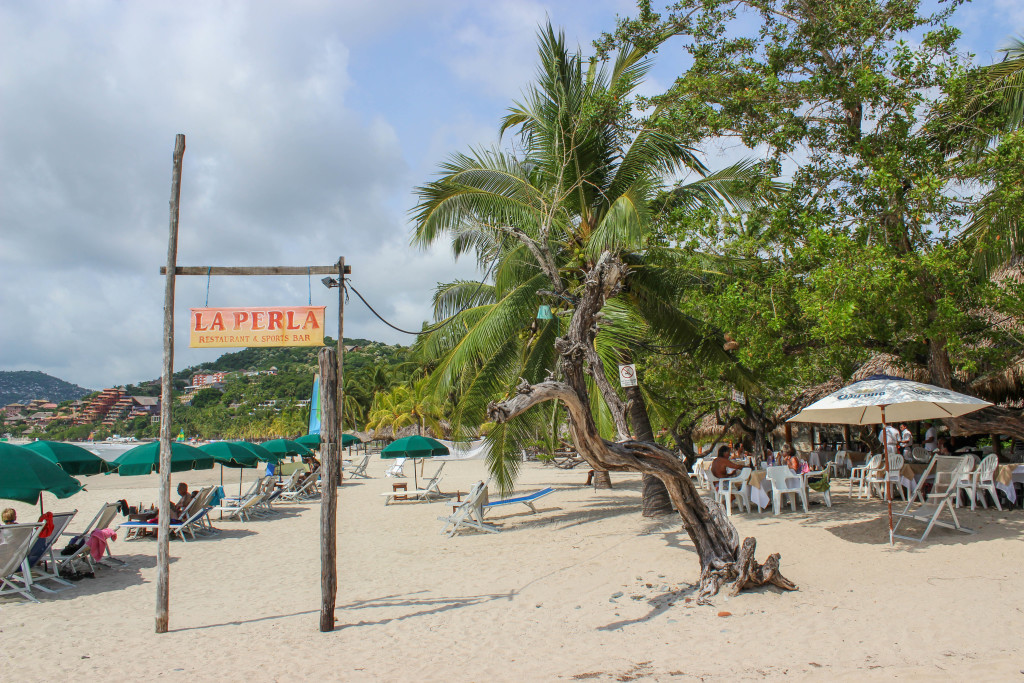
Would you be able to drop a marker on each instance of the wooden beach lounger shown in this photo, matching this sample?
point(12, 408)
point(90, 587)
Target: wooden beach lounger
point(526, 500)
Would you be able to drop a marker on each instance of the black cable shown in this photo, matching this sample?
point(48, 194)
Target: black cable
point(347, 284)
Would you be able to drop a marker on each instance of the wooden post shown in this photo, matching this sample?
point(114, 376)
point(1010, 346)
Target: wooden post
point(341, 361)
point(166, 387)
point(330, 439)
point(789, 434)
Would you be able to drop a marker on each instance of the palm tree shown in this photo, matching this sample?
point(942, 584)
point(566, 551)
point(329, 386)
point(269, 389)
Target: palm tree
point(979, 132)
point(581, 185)
point(407, 404)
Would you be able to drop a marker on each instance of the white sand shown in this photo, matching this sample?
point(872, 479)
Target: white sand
point(530, 603)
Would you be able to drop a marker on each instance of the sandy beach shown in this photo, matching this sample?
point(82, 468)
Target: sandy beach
point(586, 589)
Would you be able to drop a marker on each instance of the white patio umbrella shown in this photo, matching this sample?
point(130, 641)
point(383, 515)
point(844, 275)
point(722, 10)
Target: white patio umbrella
point(879, 398)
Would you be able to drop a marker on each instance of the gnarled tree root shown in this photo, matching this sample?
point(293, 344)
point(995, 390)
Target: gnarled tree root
point(745, 572)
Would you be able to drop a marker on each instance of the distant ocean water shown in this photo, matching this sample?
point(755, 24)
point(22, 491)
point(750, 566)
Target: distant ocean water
point(108, 451)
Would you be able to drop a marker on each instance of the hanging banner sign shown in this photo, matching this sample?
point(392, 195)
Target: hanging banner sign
point(257, 326)
point(627, 375)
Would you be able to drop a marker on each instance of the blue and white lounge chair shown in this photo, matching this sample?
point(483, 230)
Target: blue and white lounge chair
point(189, 526)
point(526, 500)
point(43, 548)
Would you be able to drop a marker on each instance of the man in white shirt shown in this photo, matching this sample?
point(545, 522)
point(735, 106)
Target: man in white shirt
point(931, 439)
point(906, 440)
point(894, 438)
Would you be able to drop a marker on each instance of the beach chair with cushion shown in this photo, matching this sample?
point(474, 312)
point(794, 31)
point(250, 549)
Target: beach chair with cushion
point(42, 550)
point(527, 500)
point(358, 469)
point(469, 515)
point(734, 487)
point(104, 519)
point(785, 482)
point(944, 472)
point(16, 541)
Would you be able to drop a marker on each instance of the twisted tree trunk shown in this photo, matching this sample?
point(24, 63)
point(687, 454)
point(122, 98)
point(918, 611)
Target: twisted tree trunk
point(716, 540)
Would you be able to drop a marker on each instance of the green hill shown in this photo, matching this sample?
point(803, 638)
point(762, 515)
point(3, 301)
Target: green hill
point(22, 386)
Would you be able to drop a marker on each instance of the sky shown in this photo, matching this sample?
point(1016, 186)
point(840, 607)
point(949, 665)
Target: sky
point(308, 126)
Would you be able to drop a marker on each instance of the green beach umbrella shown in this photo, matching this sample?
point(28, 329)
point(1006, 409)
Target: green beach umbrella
point(71, 458)
point(286, 447)
point(230, 454)
point(260, 452)
point(313, 440)
point(240, 454)
point(309, 440)
point(414, 447)
point(145, 459)
point(24, 475)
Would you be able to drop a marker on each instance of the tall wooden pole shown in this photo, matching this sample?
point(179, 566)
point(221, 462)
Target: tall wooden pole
point(164, 499)
point(330, 441)
point(341, 360)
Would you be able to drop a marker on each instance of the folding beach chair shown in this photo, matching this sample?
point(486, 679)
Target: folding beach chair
point(244, 510)
point(945, 472)
point(103, 520)
point(396, 469)
point(191, 525)
point(307, 490)
point(469, 515)
point(527, 500)
point(43, 548)
point(17, 541)
point(359, 469)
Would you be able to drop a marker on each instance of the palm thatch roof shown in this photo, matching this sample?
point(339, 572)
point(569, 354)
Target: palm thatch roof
point(1003, 386)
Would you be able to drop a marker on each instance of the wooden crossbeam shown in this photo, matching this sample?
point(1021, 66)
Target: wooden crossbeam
point(256, 270)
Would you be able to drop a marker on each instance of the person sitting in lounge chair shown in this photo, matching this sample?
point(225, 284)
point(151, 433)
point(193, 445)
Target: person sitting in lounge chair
point(9, 516)
point(722, 467)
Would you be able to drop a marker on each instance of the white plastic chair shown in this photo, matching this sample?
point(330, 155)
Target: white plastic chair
point(983, 479)
point(859, 474)
point(919, 454)
point(879, 476)
point(966, 481)
point(786, 482)
point(737, 486)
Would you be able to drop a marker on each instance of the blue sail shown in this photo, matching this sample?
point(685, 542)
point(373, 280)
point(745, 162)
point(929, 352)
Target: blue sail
point(314, 407)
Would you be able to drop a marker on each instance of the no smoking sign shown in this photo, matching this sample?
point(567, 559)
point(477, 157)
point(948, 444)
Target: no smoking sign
point(627, 375)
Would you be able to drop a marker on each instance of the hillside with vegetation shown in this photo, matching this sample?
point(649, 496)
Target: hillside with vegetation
point(265, 394)
point(22, 386)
